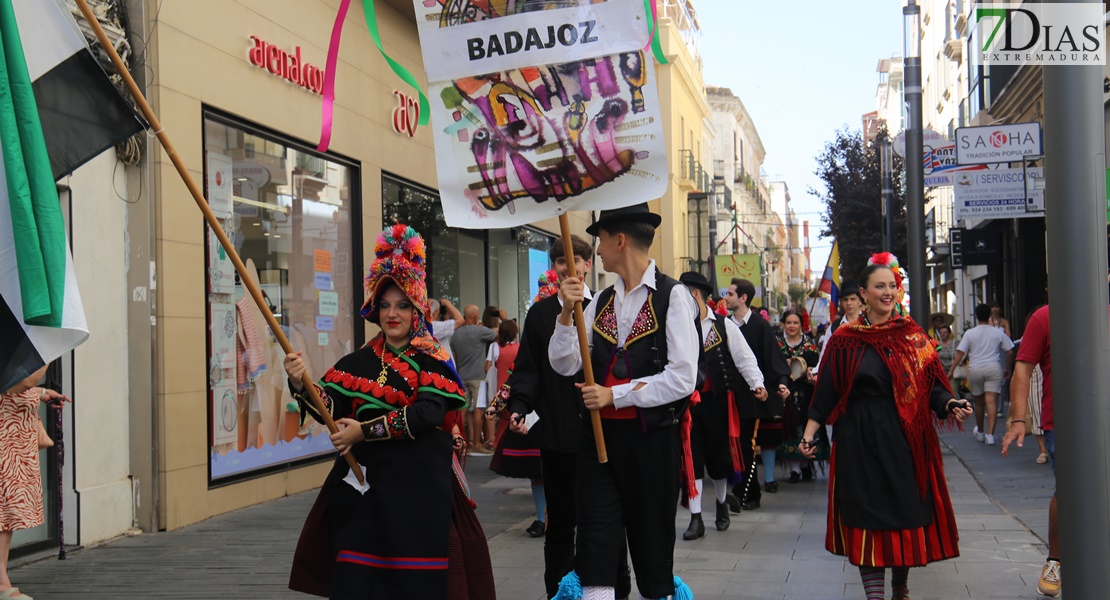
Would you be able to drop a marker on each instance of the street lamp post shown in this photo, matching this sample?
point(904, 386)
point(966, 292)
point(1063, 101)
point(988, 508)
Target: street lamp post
point(1076, 239)
point(887, 171)
point(915, 172)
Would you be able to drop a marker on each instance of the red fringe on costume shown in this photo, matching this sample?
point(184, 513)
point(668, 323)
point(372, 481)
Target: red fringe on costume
point(687, 466)
point(912, 360)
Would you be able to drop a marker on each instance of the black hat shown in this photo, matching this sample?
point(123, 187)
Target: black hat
point(849, 287)
point(695, 279)
point(637, 213)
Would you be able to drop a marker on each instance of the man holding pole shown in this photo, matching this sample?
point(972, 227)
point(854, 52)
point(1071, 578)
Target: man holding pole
point(535, 386)
point(755, 412)
point(645, 348)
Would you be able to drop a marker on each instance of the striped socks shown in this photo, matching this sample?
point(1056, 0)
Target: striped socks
point(874, 582)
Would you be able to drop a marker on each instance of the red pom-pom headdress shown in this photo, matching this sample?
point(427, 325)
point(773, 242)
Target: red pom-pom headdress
point(400, 256)
point(549, 285)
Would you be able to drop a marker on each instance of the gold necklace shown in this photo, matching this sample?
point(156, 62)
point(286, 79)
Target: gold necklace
point(385, 367)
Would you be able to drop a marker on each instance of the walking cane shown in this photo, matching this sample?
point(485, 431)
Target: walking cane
point(214, 223)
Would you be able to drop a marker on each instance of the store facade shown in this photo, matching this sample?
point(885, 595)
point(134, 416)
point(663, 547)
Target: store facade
point(237, 90)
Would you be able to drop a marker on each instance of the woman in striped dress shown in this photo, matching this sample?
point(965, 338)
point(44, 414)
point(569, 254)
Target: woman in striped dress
point(20, 483)
point(882, 382)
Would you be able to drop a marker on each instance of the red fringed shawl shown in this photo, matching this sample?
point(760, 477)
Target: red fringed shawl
point(914, 368)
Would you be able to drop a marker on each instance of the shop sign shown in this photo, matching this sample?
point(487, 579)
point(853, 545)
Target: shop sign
point(290, 67)
point(998, 143)
point(939, 156)
point(999, 194)
point(982, 247)
point(406, 114)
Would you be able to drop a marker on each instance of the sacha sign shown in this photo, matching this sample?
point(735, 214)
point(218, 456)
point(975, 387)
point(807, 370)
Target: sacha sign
point(288, 66)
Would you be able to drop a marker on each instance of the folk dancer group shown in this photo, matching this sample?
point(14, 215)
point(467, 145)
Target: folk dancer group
point(682, 391)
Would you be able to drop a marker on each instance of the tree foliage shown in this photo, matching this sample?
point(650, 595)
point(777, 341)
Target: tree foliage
point(850, 167)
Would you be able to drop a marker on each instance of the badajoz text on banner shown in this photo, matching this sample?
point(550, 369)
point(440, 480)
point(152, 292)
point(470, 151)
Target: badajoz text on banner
point(457, 44)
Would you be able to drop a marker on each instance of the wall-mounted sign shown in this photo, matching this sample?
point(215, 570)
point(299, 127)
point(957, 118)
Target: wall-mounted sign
point(290, 67)
point(405, 114)
point(999, 194)
point(998, 143)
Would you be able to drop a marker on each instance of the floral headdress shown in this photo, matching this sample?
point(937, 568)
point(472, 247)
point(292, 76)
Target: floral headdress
point(549, 285)
point(888, 260)
point(717, 307)
point(400, 257)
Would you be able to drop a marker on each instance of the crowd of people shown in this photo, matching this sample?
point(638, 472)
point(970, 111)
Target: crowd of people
point(687, 388)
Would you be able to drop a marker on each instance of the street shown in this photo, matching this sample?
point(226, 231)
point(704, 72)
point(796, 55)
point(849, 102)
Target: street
point(775, 552)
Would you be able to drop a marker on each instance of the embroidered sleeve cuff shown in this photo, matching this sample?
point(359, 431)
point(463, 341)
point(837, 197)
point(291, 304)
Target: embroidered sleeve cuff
point(392, 426)
point(501, 400)
point(622, 396)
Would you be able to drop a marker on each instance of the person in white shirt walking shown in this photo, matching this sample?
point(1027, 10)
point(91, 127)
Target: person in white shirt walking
point(983, 345)
point(727, 366)
point(645, 349)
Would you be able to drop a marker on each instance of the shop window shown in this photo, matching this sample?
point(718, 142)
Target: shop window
point(497, 267)
point(291, 214)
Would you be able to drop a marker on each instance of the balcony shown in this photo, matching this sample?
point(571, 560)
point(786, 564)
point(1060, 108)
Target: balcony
point(954, 49)
point(692, 176)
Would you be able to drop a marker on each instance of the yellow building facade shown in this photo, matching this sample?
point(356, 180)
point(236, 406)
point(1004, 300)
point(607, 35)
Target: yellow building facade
point(236, 86)
point(686, 113)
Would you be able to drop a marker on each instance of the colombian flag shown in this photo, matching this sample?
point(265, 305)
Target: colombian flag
point(830, 281)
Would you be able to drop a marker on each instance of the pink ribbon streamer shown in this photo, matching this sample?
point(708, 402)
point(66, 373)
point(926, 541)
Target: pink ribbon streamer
point(328, 107)
point(653, 27)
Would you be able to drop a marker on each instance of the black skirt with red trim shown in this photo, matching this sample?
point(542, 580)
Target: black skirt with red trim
point(516, 455)
point(912, 547)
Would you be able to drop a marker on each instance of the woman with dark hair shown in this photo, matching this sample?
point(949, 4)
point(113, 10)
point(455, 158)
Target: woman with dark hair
point(882, 382)
point(411, 531)
point(801, 353)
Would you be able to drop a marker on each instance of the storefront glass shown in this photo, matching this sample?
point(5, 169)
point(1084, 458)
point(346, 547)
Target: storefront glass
point(498, 267)
point(289, 212)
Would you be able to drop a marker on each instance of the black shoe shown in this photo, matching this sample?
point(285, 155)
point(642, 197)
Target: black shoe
point(733, 503)
point(696, 528)
point(723, 520)
point(771, 487)
point(537, 529)
point(808, 473)
point(795, 477)
point(751, 505)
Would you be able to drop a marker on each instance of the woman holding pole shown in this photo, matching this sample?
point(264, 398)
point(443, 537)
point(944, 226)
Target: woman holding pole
point(879, 382)
point(411, 531)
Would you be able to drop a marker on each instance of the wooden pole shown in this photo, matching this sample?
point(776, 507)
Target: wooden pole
point(583, 346)
point(202, 204)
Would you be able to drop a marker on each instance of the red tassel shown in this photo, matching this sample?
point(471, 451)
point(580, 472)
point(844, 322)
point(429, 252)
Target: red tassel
point(687, 451)
point(734, 434)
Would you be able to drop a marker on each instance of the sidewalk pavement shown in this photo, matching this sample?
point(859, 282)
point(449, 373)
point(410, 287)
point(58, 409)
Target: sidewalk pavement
point(774, 552)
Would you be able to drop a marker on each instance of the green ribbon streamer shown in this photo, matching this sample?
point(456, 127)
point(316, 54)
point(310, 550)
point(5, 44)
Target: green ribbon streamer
point(402, 72)
point(656, 46)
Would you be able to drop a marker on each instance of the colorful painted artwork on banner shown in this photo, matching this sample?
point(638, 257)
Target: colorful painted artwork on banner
point(530, 141)
point(738, 266)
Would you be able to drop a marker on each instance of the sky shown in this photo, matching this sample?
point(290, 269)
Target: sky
point(803, 70)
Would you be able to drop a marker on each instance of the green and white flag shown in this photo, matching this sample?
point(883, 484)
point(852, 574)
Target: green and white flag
point(41, 316)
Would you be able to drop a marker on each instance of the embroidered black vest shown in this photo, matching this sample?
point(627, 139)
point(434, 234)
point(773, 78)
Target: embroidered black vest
point(717, 362)
point(645, 350)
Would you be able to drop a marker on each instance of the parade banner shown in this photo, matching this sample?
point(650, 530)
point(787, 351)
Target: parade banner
point(524, 133)
point(738, 266)
point(462, 38)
